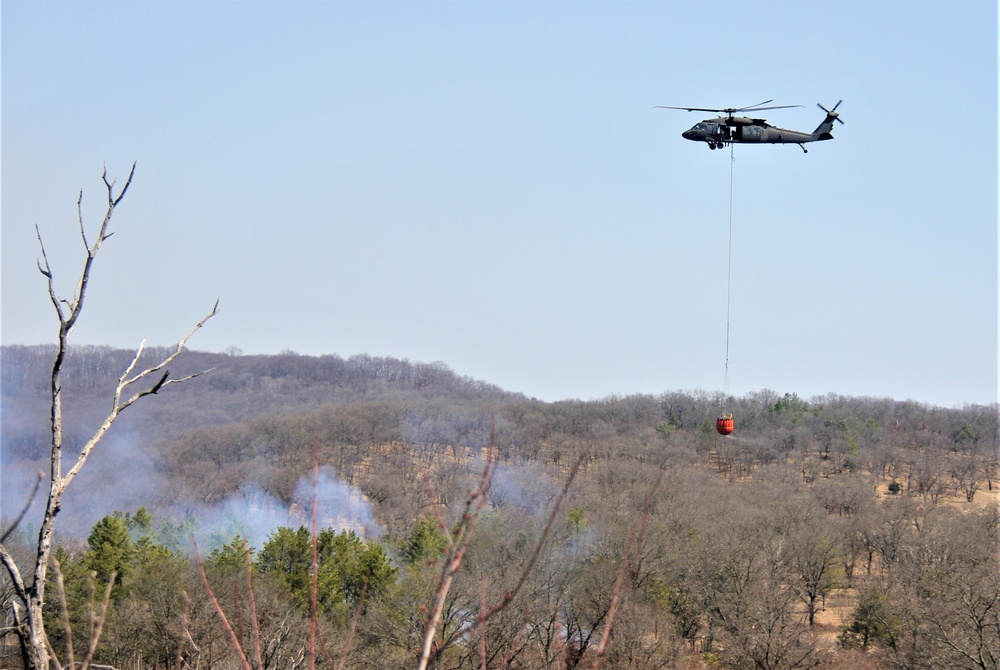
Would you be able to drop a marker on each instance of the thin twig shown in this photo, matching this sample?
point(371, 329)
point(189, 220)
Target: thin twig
point(487, 613)
point(354, 626)
point(507, 597)
point(185, 620)
point(240, 627)
point(253, 607)
point(24, 510)
point(512, 650)
point(626, 571)
point(314, 583)
point(463, 534)
point(97, 622)
point(482, 621)
point(61, 592)
point(218, 608)
point(473, 507)
point(53, 657)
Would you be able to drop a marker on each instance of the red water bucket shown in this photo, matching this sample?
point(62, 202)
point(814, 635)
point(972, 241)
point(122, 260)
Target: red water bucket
point(725, 424)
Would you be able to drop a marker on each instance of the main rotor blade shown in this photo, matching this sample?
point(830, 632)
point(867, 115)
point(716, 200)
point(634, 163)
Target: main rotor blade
point(730, 110)
point(740, 109)
point(723, 110)
point(692, 109)
point(761, 109)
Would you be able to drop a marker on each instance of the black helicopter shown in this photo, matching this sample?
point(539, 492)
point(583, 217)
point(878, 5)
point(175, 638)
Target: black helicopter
point(731, 129)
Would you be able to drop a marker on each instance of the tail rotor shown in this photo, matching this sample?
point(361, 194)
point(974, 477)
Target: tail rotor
point(832, 113)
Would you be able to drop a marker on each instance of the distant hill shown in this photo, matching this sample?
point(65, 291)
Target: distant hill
point(245, 432)
point(237, 388)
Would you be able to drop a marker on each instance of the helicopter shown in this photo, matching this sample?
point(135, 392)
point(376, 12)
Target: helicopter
point(731, 129)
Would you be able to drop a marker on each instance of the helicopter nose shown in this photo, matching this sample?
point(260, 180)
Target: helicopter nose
point(687, 134)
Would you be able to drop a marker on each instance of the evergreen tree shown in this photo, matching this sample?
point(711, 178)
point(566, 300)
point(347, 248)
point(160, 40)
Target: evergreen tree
point(345, 564)
point(111, 550)
point(425, 543)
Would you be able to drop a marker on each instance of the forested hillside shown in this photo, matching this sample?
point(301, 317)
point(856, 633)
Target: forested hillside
point(834, 532)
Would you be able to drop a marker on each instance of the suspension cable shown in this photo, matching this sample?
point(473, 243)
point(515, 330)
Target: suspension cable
point(729, 268)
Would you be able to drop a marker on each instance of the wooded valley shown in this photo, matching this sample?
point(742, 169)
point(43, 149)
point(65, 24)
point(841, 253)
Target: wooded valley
point(621, 532)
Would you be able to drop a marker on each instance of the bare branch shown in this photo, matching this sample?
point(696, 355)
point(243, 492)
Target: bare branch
point(482, 621)
point(442, 524)
point(473, 507)
point(513, 650)
point(188, 378)
point(327, 655)
point(112, 200)
point(218, 608)
point(123, 382)
point(27, 506)
point(79, 217)
point(185, 619)
point(102, 234)
point(53, 657)
point(253, 606)
point(625, 574)
point(354, 627)
point(314, 566)
point(97, 622)
point(460, 543)
point(509, 596)
point(131, 366)
point(487, 613)
point(158, 385)
point(61, 592)
point(46, 270)
point(15, 574)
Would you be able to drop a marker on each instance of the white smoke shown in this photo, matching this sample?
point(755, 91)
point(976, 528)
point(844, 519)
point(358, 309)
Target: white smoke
point(253, 514)
point(121, 477)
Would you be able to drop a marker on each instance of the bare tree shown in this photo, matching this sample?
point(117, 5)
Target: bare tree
point(134, 384)
point(815, 564)
point(967, 471)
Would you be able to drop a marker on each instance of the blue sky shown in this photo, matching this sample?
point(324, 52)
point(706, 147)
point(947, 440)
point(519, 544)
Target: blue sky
point(488, 184)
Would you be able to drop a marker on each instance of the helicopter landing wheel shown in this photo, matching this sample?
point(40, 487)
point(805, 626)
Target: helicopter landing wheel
point(711, 145)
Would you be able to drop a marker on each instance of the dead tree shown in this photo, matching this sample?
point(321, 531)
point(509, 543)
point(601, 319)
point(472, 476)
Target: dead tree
point(134, 384)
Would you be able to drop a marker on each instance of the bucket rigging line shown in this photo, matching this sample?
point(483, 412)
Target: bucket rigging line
point(724, 425)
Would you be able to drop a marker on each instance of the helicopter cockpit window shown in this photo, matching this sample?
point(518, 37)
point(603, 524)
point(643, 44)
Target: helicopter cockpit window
point(701, 127)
